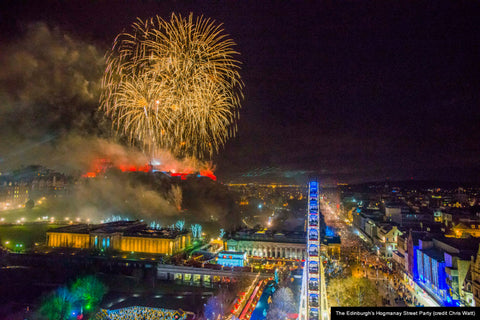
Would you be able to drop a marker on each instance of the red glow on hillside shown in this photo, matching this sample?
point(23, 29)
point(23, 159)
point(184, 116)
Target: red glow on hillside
point(182, 174)
point(89, 175)
point(130, 168)
point(100, 166)
point(209, 174)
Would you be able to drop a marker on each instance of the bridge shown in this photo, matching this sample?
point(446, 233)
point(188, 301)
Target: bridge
point(203, 276)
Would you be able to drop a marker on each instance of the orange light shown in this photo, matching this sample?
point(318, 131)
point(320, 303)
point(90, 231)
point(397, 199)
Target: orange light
point(89, 175)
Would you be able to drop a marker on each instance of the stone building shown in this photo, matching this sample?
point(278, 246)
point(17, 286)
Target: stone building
point(261, 244)
point(128, 236)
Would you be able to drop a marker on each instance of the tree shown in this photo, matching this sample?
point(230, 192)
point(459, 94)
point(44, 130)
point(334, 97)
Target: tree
point(180, 224)
point(276, 314)
point(283, 300)
point(29, 204)
point(57, 305)
point(352, 292)
point(89, 291)
point(155, 225)
point(196, 231)
point(222, 233)
point(216, 306)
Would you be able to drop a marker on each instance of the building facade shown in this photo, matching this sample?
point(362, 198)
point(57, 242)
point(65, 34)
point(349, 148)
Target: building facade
point(232, 258)
point(442, 266)
point(386, 240)
point(268, 249)
point(475, 273)
point(128, 236)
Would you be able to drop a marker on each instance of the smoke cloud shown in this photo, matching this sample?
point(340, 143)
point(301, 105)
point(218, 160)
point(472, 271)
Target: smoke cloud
point(48, 80)
point(49, 86)
point(117, 194)
point(49, 91)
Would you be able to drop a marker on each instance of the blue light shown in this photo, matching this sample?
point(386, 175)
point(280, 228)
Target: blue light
point(329, 232)
point(231, 259)
point(415, 267)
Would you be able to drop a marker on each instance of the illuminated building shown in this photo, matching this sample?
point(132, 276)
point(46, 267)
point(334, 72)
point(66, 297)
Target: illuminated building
point(130, 236)
point(441, 267)
point(431, 270)
point(232, 258)
point(463, 230)
point(276, 245)
point(13, 194)
point(475, 274)
point(402, 215)
point(32, 182)
point(386, 240)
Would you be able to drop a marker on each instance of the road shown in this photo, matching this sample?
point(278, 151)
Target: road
point(359, 260)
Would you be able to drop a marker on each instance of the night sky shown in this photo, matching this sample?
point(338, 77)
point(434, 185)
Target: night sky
point(350, 90)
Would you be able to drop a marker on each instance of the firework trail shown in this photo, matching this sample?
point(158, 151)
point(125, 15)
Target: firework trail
point(174, 84)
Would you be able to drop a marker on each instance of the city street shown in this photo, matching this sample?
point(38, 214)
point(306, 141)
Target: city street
point(360, 261)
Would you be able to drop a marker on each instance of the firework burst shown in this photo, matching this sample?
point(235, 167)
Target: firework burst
point(174, 84)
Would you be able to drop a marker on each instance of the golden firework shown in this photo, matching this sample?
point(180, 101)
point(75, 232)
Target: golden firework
point(174, 84)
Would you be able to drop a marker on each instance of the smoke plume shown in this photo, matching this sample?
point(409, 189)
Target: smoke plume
point(49, 93)
point(49, 86)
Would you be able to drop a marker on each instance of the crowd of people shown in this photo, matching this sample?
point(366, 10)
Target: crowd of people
point(140, 313)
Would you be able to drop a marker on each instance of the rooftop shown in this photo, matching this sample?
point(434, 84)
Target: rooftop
point(268, 236)
point(435, 254)
point(232, 253)
point(126, 228)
